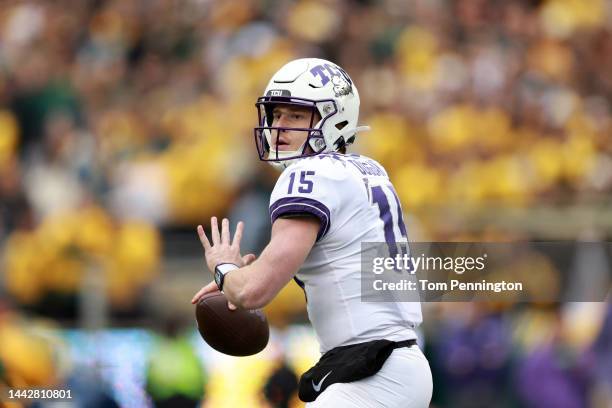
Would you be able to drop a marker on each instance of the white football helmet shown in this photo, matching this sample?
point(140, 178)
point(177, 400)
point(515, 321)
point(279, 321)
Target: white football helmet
point(320, 85)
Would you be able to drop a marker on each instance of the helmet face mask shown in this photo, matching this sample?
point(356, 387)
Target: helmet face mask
point(314, 142)
point(326, 90)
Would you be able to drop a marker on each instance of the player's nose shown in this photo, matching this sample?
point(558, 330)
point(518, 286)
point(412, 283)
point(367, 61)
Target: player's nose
point(281, 121)
point(276, 135)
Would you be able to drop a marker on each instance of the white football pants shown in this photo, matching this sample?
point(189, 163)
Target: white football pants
point(404, 381)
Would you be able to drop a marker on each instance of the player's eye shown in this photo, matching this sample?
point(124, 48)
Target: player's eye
point(297, 116)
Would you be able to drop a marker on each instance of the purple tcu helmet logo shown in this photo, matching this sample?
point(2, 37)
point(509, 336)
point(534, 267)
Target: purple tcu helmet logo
point(341, 81)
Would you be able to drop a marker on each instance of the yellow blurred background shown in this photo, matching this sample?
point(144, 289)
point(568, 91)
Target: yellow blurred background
point(124, 124)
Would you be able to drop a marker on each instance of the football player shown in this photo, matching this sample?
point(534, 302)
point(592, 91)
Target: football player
point(324, 205)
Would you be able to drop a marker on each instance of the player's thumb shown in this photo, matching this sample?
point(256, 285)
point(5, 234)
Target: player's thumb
point(248, 259)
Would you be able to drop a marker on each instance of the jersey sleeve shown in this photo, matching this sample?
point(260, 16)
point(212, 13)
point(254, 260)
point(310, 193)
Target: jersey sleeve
point(306, 189)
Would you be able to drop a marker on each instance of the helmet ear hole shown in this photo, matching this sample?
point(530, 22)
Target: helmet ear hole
point(341, 125)
point(340, 143)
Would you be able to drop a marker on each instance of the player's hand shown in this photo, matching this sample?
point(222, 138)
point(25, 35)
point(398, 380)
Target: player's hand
point(223, 249)
point(212, 286)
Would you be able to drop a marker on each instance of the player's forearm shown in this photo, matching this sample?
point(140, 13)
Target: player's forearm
point(247, 287)
point(255, 285)
point(239, 289)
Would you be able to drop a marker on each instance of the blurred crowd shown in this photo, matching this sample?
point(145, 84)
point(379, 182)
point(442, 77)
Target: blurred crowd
point(480, 355)
point(120, 120)
point(144, 109)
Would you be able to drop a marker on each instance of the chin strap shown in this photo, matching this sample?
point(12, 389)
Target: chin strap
point(353, 132)
point(283, 154)
point(362, 129)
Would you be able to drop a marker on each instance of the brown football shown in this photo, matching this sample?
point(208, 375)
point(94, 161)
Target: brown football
point(235, 332)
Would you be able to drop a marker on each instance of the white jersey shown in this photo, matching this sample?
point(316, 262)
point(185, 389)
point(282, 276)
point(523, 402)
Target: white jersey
point(355, 202)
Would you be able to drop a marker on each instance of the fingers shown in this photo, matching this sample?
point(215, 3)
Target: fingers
point(210, 288)
point(238, 235)
point(225, 233)
point(214, 231)
point(248, 259)
point(223, 237)
point(203, 238)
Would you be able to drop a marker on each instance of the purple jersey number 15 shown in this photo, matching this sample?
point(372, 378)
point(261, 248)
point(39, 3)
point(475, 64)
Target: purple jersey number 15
point(305, 184)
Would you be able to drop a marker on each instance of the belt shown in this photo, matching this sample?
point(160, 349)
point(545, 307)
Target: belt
point(405, 343)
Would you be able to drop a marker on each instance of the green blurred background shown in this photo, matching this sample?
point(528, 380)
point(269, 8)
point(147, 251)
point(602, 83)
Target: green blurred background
point(124, 124)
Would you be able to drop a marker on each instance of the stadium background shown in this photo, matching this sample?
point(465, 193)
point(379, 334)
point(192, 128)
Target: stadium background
point(123, 124)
